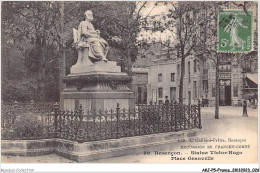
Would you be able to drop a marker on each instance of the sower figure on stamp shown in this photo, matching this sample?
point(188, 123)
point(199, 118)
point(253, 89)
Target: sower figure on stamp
point(89, 38)
point(232, 27)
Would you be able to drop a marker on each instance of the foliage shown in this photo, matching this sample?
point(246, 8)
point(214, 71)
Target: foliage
point(28, 30)
point(194, 28)
point(121, 25)
point(11, 91)
point(33, 31)
point(182, 23)
point(26, 121)
point(28, 126)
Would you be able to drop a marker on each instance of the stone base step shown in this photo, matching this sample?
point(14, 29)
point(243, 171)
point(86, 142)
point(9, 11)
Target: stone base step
point(87, 151)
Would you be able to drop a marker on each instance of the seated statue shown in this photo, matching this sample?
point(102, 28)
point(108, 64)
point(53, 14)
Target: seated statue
point(88, 37)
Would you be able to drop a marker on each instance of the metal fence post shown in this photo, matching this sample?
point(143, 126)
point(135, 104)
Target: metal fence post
point(175, 117)
point(199, 114)
point(14, 116)
point(80, 134)
point(61, 113)
point(117, 120)
point(56, 111)
point(139, 121)
point(171, 109)
point(184, 117)
point(189, 116)
point(159, 116)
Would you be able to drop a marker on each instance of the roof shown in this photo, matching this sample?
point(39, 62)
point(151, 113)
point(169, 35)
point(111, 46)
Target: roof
point(140, 70)
point(252, 77)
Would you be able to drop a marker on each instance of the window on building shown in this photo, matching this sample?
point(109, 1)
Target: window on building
point(189, 71)
point(145, 97)
point(225, 68)
point(178, 69)
point(195, 89)
point(173, 94)
point(204, 66)
point(160, 77)
point(160, 92)
point(213, 91)
point(172, 77)
point(139, 78)
point(205, 88)
point(235, 90)
point(221, 68)
point(195, 66)
point(139, 94)
point(247, 65)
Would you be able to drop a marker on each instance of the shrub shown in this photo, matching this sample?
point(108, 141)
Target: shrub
point(26, 122)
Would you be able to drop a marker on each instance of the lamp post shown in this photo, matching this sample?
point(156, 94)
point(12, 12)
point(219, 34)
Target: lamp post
point(244, 99)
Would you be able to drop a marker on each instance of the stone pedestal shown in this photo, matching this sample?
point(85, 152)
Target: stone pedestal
point(96, 86)
point(100, 66)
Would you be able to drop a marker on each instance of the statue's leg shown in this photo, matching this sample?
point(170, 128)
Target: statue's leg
point(99, 48)
point(105, 54)
point(106, 51)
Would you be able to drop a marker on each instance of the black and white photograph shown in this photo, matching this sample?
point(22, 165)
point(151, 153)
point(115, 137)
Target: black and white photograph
point(88, 83)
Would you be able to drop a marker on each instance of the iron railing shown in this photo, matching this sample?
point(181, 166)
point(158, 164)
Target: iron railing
point(96, 125)
point(112, 124)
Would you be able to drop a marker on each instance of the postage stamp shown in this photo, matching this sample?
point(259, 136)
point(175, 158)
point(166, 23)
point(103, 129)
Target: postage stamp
point(235, 31)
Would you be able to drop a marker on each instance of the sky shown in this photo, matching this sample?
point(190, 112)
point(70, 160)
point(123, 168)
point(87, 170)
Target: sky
point(157, 11)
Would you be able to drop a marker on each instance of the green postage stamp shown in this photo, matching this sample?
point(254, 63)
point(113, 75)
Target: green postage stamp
point(235, 31)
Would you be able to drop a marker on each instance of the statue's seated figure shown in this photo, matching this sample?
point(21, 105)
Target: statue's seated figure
point(88, 37)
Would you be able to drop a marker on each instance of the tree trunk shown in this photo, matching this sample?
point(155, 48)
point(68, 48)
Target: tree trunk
point(44, 84)
point(217, 89)
point(42, 72)
point(182, 76)
point(62, 58)
point(129, 66)
point(217, 77)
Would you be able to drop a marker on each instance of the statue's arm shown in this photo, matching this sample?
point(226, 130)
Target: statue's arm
point(90, 33)
point(243, 26)
point(87, 31)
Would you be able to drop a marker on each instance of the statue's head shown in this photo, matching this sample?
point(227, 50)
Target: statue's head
point(89, 15)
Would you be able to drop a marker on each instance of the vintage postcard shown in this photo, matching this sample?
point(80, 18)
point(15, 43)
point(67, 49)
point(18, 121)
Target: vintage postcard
point(169, 83)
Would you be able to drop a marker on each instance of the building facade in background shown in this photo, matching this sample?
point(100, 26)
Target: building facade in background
point(237, 79)
point(164, 80)
point(230, 81)
point(139, 84)
point(237, 72)
point(140, 80)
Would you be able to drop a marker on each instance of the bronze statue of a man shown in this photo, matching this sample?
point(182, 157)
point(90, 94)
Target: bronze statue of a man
point(89, 37)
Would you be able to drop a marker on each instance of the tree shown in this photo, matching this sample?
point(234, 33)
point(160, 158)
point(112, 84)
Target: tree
point(194, 26)
point(119, 26)
point(179, 21)
point(208, 46)
point(42, 33)
point(28, 27)
point(122, 25)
